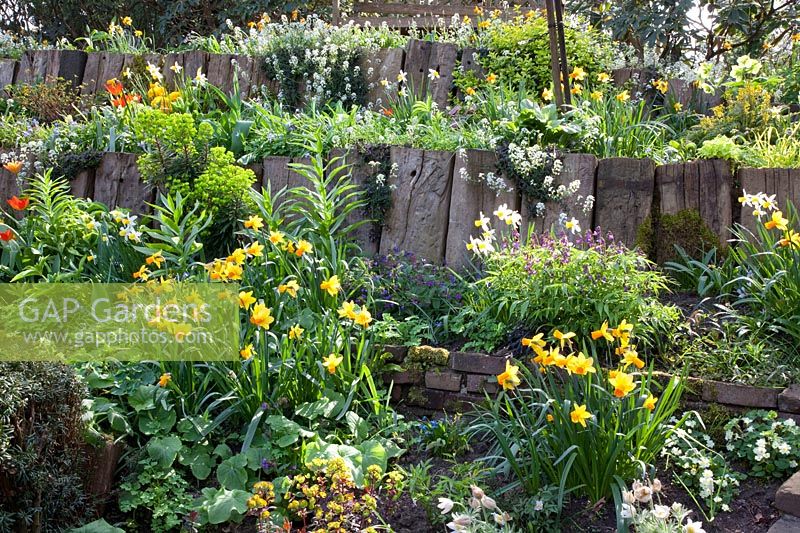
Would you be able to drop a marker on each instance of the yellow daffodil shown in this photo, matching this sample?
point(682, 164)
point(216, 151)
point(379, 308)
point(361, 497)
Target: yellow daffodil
point(246, 299)
point(276, 237)
point(290, 287)
point(363, 317)
point(650, 402)
point(630, 357)
point(677, 106)
point(469, 91)
point(581, 365)
point(550, 417)
point(661, 86)
point(622, 383)
point(547, 95)
point(142, 274)
point(563, 337)
point(596, 95)
point(246, 352)
point(238, 256)
point(295, 332)
point(603, 333)
point(348, 310)
point(536, 340)
point(331, 285)
point(254, 223)
point(792, 238)
point(255, 249)
point(126, 21)
point(580, 415)
point(624, 96)
point(623, 330)
point(510, 378)
point(164, 380)
point(261, 316)
point(603, 77)
point(155, 259)
point(303, 247)
point(777, 221)
point(577, 89)
point(577, 74)
point(491, 78)
point(332, 362)
point(233, 271)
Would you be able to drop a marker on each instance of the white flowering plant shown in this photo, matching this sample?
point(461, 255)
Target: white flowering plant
point(700, 469)
point(642, 508)
point(770, 446)
point(479, 515)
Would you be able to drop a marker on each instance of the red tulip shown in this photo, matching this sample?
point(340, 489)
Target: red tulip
point(7, 235)
point(18, 203)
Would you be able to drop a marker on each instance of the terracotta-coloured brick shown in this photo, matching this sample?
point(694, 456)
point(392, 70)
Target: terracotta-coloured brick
point(477, 363)
point(449, 381)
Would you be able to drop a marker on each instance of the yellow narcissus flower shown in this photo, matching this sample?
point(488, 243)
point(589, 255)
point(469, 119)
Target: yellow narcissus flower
point(547, 95)
point(624, 96)
point(233, 271)
point(276, 237)
point(142, 273)
point(563, 337)
point(363, 317)
point(164, 380)
point(295, 332)
point(303, 247)
point(246, 352)
point(792, 238)
point(603, 77)
point(650, 402)
point(661, 86)
point(491, 78)
point(580, 415)
point(596, 95)
point(254, 223)
point(622, 383)
point(261, 316)
point(536, 340)
point(630, 357)
point(331, 285)
point(603, 333)
point(246, 299)
point(469, 91)
point(623, 330)
point(332, 362)
point(577, 74)
point(290, 287)
point(581, 365)
point(348, 310)
point(777, 221)
point(577, 89)
point(510, 378)
point(126, 21)
point(155, 259)
point(255, 249)
point(677, 106)
point(238, 256)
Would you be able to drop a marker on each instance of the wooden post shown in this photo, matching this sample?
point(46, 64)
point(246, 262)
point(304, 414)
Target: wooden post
point(562, 49)
point(554, 67)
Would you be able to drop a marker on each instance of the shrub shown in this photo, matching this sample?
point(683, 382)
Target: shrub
point(42, 447)
point(47, 100)
point(746, 111)
point(518, 51)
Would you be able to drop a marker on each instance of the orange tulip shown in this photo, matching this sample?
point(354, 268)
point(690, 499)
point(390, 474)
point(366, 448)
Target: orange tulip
point(13, 166)
point(114, 87)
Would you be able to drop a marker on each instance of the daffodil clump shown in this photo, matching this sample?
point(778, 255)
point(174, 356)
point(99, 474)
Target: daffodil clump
point(575, 415)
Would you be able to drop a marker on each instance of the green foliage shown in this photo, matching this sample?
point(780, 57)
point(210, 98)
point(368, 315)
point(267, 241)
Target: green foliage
point(42, 448)
point(746, 111)
point(441, 438)
point(553, 283)
point(158, 490)
point(770, 447)
point(685, 229)
point(518, 51)
point(54, 239)
point(721, 147)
